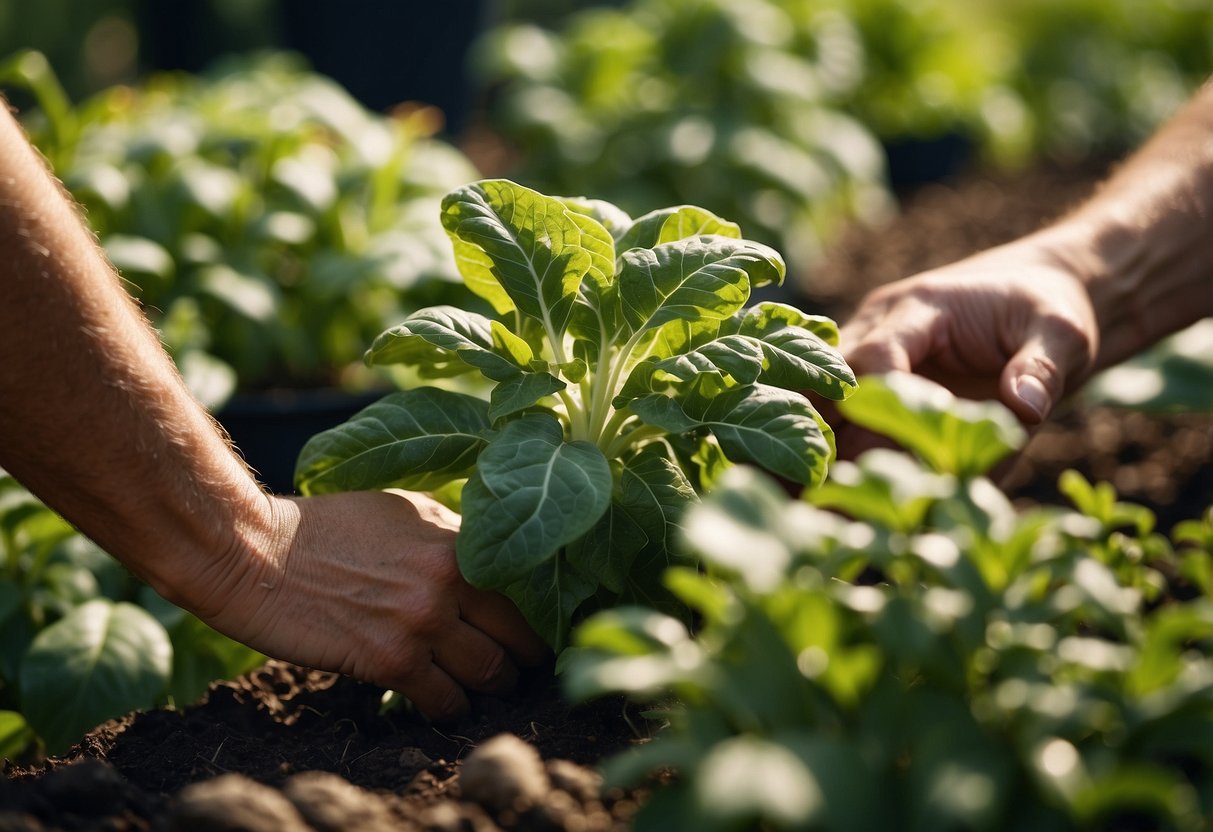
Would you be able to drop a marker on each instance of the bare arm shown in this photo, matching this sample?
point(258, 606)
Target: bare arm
point(96, 421)
point(1031, 320)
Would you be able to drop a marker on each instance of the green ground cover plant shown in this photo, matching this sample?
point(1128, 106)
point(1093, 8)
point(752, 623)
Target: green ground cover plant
point(82, 641)
point(623, 370)
point(902, 649)
point(268, 224)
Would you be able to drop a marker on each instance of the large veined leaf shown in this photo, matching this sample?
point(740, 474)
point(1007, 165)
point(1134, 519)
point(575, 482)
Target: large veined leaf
point(99, 662)
point(416, 439)
point(702, 277)
point(667, 225)
point(526, 243)
point(650, 495)
point(769, 427)
point(520, 392)
point(531, 494)
point(548, 597)
point(738, 357)
point(597, 309)
point(762, 319)
point(614, 219)
point(796, 359)
point(953, 436)
point(445, 341)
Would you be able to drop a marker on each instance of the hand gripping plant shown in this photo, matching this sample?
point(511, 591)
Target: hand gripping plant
point(627, 372)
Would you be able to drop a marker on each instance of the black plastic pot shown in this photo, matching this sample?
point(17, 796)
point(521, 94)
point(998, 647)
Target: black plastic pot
point(271, 428)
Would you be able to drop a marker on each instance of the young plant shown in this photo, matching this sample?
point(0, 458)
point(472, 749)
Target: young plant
point(626, 369)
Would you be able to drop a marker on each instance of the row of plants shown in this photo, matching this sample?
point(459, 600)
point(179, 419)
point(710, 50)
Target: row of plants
point(902, 649)
point(266, 221)
point(769, 111)
point(82, 641)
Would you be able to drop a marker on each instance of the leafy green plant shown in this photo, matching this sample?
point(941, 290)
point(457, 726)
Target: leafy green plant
point(267, 223)
point(623, 365)
point(81, 641)
point(927, 659)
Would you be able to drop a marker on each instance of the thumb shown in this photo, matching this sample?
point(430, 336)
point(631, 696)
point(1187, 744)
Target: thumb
point(1036, 377)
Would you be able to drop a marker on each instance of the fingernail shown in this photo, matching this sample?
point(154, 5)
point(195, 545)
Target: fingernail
point(1033, 393)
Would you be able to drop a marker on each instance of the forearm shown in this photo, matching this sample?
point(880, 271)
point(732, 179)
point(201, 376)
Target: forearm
point(1143, 244)
point(93, 416)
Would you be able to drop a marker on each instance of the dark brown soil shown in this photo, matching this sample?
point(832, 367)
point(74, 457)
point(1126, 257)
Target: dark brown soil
point(253, 754)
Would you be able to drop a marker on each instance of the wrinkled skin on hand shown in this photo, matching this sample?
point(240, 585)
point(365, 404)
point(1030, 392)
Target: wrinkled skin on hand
point(369, 586)
point(1012, 324)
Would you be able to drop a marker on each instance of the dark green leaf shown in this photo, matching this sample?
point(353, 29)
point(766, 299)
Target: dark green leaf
point(531, 494)
point(796, 359)
point(99, 662)
point(548, 597)
point(445, 341)
point(702, 277)
point(416, 439)
point(775, 429)
point(520, 392)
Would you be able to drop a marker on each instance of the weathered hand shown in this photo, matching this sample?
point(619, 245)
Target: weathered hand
point(1012, 323)
point(367, 584)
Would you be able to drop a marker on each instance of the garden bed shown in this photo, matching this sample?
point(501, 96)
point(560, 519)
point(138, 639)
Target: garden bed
point(281, 721)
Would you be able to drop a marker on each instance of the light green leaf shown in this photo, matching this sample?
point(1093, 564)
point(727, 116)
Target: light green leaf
point(514, 241)
point(531, 493)
point(668, 225)
point(444, 341)
point(15, 734)
point(520, 392)
point(953, 436)
point(775, 429)
point(703, 277)
point(415, 439)
point(99, 662)
point(762, 319)
point(883, 486)
point(615, 220)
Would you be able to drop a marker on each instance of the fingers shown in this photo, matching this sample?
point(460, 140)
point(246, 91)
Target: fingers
point(474, 660)
point(434, 692)
point(893, 334)
point(1038, 375)
point(497, 616)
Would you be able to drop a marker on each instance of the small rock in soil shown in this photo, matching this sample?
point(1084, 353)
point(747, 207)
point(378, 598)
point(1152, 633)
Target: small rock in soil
point(504, 774)
point(233, 803)
point(580, 782)
point(332, 804)
point(455, 817)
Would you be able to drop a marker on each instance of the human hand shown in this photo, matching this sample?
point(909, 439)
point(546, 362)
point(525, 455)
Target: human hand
point(366, 584)
point(1013, 323)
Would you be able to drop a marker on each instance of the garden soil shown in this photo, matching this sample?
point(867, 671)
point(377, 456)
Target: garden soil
point(287, 748)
